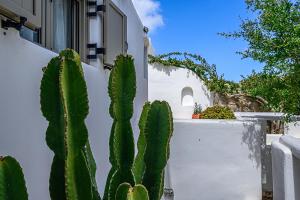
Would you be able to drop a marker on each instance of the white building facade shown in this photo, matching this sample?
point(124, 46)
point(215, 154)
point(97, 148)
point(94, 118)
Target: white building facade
point(112, 27)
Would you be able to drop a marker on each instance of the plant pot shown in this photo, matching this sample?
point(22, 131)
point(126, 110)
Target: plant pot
point(196, 116)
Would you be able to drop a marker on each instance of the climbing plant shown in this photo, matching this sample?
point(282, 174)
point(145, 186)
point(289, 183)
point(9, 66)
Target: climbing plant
point(197, 64)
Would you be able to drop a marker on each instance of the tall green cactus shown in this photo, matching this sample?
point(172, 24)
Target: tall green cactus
point(157, 131)
point(12, 183)
point(122, 90)
point(64, 103)
point(126, 192)
point(139, 163)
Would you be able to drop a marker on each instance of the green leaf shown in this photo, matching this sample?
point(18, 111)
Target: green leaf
point(12, 183)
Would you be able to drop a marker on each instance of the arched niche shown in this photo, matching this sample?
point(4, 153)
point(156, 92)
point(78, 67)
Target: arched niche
point(187, 97)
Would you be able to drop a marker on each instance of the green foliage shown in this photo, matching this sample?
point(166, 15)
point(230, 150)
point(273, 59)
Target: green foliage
point(197, 64)
point(122, 90)
point(158, 131)
point(12, 183)
point(217, 112)
point(64, 103)
point(273, 38)
point(197, 109)
point(126, 192)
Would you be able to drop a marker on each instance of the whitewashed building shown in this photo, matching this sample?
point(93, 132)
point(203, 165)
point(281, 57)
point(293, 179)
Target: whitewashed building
point(31, 33)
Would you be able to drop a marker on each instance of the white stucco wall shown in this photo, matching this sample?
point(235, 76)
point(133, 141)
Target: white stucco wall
point(167, 83)
point(286, 168)
point(283, 178)
point(22, 126)
point(215, 159)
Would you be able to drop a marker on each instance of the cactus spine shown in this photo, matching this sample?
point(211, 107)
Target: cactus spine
point(12, 183)
point(64, 103)
point(126, 192)
point(122, 89)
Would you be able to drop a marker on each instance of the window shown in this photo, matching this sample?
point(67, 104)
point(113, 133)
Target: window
point(29, 34)
point(187, 97)
point(115, 32)
point(55, 24)
point(65, 21)
point(31, 9)
point(66, 25)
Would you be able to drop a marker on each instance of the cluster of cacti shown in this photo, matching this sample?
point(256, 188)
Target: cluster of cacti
point(64, 103)
point(12, 183)
point(156, 127)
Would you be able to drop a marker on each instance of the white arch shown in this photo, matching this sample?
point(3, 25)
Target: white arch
point(187, 97)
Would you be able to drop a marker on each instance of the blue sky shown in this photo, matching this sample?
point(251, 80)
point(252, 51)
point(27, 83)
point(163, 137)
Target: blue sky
point(192, 26)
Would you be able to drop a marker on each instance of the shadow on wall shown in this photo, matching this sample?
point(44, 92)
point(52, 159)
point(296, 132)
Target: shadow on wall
point(253, 138)
point(207, 93)
point(165, 69)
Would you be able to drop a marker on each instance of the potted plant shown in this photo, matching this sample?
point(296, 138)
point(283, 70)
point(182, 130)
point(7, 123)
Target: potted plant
point(197, 111)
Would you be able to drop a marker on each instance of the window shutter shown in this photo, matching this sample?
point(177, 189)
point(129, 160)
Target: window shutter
point(31, 9)
point(115, 32)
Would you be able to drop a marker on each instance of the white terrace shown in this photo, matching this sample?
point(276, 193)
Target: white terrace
point(210, 159)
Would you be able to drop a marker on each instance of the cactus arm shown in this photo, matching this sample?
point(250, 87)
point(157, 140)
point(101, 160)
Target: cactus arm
point(139, 164)
point(64, 103)
point(158, 133)
point(52, 108)
point(57, 179)
point(119, 177)
point(126, 192)
point(74, 99)
point(122, 191)
point(121, 89)
point(12, 183)
point(108, 183)
point(92, 169)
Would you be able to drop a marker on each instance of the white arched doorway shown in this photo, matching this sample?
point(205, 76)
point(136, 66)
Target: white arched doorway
point(187, 97)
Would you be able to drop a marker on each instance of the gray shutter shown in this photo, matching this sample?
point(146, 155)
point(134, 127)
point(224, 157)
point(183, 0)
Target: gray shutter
point(115, 32)
point(31, 9)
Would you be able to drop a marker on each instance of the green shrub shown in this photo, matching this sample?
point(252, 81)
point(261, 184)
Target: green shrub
point(218, 112)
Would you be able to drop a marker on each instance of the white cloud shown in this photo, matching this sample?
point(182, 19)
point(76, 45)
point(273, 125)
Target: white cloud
point(149, 12)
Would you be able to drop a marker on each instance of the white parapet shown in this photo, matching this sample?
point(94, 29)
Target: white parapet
point(286, 168)
point(215, 159)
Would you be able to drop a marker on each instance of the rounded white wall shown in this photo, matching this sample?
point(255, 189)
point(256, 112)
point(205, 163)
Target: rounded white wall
point(180, 87)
